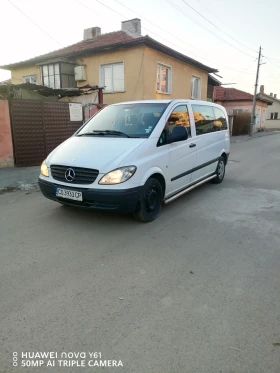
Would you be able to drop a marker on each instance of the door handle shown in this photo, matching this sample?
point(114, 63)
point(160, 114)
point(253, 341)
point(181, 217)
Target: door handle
point(192, 145)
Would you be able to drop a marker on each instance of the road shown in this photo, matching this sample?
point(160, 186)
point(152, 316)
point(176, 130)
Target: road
point(196, 291)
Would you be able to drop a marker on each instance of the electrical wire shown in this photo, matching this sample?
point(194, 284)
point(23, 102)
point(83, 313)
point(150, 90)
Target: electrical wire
point(205, 28)
point(213, 24)
point(177, 46)
point(254, 50)
point(34, 23)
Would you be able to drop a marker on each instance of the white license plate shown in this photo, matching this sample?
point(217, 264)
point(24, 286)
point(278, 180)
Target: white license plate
point(69, 194)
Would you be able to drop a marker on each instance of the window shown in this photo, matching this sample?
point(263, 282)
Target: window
point(196, 88)
point(51, 76)
point(220, 122)
point(58, 75)
point(237, 111)
point(29, 79)
point(204, 119)
point(179, 117)
point(163, 78)
point(273, 115)
point(132, 120)
point(112, 77)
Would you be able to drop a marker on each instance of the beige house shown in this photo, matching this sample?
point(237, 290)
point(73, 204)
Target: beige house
point(273, 111)
point(129, 67)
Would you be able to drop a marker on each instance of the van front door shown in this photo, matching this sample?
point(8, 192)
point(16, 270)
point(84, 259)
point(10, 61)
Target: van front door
point(182, 154)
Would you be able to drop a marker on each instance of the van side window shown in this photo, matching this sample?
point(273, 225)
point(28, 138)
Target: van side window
point(220, 119)
point(179, 117)
point(204, 119)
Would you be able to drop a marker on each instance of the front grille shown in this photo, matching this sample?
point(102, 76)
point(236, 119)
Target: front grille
point(82, 175)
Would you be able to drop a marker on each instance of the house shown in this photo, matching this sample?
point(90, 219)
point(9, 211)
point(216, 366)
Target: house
point(236, 102)
point(273, 111)
point(128, 65)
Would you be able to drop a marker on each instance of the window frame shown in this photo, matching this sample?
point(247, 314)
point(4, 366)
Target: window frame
point(59, 73)
point(169, 81)
point(29, 76)
point(200, 87)
point(273, 115)
point(102, 78)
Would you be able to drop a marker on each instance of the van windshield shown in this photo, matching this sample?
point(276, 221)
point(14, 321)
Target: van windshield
point(126, 120)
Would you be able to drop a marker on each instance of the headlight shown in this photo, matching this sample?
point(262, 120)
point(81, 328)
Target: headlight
point(118, 176)
point(44, 169)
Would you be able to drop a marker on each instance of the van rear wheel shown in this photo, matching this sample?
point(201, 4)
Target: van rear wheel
point(150, 201)
point(220, 171)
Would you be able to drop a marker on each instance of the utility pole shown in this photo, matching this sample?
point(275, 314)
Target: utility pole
point(255, 95)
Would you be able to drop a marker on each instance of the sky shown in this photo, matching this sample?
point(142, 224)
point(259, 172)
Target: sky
point(223, 34)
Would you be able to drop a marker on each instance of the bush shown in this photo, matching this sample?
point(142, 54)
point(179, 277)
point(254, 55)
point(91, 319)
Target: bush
point(241, 124)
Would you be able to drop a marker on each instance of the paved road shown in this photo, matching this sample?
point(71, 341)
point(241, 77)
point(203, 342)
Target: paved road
point(196, 291)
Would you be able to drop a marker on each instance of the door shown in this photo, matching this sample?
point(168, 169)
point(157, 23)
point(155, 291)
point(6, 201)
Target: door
point(182, 154)
point(211, 131)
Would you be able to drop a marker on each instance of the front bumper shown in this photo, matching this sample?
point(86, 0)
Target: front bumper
point(124, 200)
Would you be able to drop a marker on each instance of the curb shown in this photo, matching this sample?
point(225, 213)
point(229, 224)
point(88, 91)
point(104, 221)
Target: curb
point(253, 137)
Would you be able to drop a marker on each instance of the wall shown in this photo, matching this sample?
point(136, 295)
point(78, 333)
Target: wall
point(274, 108)
point(6, 147)
point(140, 68)
point(17, 74)
point(133, 72)
point(181, 77)
point(261, 108)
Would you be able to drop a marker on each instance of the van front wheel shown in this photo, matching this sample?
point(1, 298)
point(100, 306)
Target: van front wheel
point(150, 201)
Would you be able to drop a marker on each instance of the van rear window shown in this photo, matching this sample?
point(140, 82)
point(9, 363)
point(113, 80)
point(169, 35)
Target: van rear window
point(208, 119)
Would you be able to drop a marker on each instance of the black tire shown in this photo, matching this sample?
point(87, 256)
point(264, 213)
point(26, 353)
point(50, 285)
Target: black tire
point(150, 201)
point(220, 171)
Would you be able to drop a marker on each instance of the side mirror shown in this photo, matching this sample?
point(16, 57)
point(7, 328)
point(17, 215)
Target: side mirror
point(179, 133)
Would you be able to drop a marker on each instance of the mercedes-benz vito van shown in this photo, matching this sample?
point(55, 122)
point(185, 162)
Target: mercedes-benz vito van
point(134, 156)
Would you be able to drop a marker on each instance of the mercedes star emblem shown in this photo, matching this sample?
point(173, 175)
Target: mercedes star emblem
point(70, 174)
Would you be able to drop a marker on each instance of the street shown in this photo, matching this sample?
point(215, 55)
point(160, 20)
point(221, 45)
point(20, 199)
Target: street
point(195, 291)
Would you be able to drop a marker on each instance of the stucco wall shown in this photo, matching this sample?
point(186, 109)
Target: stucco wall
point(261, 110)
point(274, 108)
point(17, 74)
point(6, 147)
point(133, 73)
point(181, 77)
point(140, 70)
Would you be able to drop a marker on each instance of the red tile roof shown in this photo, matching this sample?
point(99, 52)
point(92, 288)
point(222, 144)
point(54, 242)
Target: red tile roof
point(231, 94)
point(112, 38)
point(110, 41)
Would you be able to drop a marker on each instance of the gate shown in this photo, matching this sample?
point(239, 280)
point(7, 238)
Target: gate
point(38, 127)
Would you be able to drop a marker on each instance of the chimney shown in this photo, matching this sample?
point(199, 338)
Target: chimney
point(271, 94)
point(92, 32)
point(132, 27)
point(275, 95)
point(262, 89)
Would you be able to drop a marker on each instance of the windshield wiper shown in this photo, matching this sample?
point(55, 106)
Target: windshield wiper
point(103, 133)
point(118, 133)
point(93, 133)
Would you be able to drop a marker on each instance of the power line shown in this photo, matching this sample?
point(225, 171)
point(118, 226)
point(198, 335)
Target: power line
point(242, 71)
point(205, 28)
point(34, 23)
point(152, 32)
point(213, 24)
point(223, 23)
point(142, 17)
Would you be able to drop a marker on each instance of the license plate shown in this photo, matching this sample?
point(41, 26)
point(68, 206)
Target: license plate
point(69, 194)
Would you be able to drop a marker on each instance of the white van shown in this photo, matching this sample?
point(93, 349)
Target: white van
point(134, 156)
